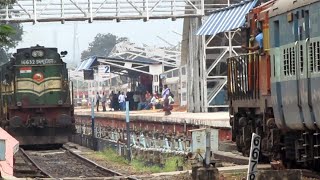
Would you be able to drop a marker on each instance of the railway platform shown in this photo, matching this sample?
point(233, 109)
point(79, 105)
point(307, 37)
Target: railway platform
point(177, 122)
point(215, 119)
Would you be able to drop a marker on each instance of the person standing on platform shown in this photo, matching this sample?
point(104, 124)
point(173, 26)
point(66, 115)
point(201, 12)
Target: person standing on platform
point(136, 100)
point(130, 99)
point(122, 101)
point(103, 102)
point(115, 102)
point(111, 106)
point(98, 98)
point(166, 105)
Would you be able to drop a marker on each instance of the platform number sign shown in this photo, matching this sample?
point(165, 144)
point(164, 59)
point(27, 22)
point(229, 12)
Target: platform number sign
point(104, 69)
point(254, 156)
point(107, 69)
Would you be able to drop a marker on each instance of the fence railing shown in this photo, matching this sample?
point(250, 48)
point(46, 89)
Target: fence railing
point(140, 140)
point(243, 77)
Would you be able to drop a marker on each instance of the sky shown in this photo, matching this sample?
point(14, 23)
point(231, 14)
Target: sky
point(62, 35)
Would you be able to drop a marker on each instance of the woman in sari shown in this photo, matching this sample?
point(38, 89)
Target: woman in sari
point(166, 104)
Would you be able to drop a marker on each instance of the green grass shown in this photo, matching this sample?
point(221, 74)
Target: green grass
point(139, 165)
point(111, 155)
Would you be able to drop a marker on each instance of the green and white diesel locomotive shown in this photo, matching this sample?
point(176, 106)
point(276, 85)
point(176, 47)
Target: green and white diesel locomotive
point(36, 97)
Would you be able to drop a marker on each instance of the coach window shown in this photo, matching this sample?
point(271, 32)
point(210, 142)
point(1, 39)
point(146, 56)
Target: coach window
point(296, 26)
point(293, 61)
point(306, 23)
point(317, 54)
point(274, 65)
point(286, 62)
point(290, 60)
point(276, 34)
point(311, 57)
point(301, 58)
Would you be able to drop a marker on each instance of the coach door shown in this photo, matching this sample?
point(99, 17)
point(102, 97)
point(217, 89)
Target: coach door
point(305, 68)
point(313, 47)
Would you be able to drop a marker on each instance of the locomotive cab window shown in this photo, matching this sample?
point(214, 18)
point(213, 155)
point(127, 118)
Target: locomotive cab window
point(245, 34)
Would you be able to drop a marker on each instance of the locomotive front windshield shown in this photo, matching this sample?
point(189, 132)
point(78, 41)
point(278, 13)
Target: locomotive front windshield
point(41, 77)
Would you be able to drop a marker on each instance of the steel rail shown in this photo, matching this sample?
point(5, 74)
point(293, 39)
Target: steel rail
point(34, 163)
point(97, 166)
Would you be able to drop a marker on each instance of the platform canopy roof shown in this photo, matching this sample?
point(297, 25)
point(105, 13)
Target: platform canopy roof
point(127, 67)
point(226, 19)
point(88, 64)
point(119, 66)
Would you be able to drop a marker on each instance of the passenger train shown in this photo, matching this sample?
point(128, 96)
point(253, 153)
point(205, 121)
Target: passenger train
point(275, 92)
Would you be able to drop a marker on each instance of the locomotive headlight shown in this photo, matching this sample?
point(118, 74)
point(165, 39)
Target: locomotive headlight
point(19, 104)
point(37, 53)
point(60, 102)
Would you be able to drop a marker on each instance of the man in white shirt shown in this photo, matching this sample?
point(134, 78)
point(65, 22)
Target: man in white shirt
point(122, 101)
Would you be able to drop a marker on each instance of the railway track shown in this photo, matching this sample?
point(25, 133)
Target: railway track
point(58, 163)
point(24, 166)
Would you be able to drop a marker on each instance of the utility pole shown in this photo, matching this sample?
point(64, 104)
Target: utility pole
point(128, 132)
point(75, 42)
point(92, 118)
point(230, 38)
point(77, 89)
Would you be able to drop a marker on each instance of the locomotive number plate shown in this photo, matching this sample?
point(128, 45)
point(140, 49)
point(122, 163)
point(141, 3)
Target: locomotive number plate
point(38, 61)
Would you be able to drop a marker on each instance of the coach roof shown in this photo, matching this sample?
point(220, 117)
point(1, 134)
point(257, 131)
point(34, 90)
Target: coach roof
point(283, 6)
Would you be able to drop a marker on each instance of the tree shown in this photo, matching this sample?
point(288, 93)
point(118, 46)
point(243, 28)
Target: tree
point(6, 31)
point(6, 2)
point(102, 45)
point(10, 34)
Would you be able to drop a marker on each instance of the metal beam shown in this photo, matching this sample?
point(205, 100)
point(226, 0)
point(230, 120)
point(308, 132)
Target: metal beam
point(127, 50)
point(213, 65)
point(89, 10)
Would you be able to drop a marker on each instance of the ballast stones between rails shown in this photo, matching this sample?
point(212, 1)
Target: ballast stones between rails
point(59, 163)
